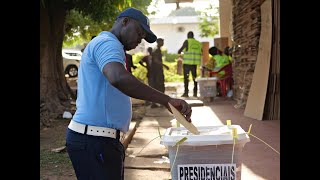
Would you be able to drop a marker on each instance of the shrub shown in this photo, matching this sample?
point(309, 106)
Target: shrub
point(169, 75)
point(169, 57)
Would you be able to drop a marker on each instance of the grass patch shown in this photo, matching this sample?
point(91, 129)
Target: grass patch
point(169, 75)
point(55, 163)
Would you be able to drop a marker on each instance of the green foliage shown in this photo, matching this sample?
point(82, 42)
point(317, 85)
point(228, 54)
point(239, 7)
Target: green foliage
point(140, 72)
point(142, 5)
point(169, 75)
point(171, 61)
point(98, 10)
point(47, 157)
point(185, 11)
point(209, 26)
point(88, 18)
point(83, 28)
point(168, 57)
point(55, 163)
point(137, 57)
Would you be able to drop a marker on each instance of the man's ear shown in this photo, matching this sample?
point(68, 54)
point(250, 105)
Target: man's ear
point(125, 21)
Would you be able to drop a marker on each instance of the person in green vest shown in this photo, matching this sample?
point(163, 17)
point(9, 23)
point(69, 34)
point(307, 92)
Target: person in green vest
point(192, 52)
point(227, 51)
point(219, 60)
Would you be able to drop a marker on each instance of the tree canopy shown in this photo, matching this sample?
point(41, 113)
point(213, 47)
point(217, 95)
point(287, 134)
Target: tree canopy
point(66, 22)
point(86, 18)
point(209, 26)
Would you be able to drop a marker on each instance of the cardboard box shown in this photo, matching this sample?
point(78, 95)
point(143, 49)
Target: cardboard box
point(221, 43)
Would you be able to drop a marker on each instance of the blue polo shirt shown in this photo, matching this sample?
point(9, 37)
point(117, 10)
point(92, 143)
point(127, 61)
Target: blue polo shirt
point(98, 102)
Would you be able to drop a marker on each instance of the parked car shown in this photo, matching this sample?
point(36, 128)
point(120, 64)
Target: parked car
point(71, 61)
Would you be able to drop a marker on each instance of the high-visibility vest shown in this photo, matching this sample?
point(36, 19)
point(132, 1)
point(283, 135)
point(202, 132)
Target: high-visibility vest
point(193, 55)
point(221, 60)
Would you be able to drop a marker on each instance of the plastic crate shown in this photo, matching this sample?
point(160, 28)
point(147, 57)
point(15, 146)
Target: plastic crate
point(208, 154)
point(207, 86)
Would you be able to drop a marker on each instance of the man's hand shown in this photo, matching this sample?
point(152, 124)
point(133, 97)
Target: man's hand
point(167, 67)
point(182, 106)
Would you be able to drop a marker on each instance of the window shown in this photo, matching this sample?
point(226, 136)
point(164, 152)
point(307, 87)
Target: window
point(180, 29)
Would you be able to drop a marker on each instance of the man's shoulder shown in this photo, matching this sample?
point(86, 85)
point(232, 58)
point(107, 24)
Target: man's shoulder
point(108, 37)
point(197, 40)
point(156, 51)
point(193, 39)
point(144, 58)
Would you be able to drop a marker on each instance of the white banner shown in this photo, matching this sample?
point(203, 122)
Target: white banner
point(206, 172)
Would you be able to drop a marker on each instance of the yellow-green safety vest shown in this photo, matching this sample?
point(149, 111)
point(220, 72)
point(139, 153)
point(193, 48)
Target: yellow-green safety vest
point(221, 60)
point(193, 55)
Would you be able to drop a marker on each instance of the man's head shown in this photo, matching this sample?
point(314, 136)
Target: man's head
point(149, 50)
point(226, 50)
point(214, 51)
point(134, 26)
point(160, 42)
point(190, 34)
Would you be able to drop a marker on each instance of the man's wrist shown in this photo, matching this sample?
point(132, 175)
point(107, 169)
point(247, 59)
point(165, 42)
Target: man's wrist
point(165, 99)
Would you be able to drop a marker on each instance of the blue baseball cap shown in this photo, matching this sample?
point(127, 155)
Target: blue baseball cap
point(142, 19)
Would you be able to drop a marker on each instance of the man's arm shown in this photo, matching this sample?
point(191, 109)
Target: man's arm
point(121, 79)
point(131, 62)
point(165, 66)
point(184, 45)
point(141, 62)
point(161, 63)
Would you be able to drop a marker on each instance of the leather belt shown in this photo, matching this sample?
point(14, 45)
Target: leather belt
point(94, 130)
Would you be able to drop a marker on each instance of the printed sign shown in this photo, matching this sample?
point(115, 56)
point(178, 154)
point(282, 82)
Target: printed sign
point(207, 172)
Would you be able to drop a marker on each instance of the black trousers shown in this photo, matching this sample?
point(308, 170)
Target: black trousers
point(94, 157)
point(186, 69)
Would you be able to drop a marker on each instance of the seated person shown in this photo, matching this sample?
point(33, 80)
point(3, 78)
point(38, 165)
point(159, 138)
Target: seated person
point(227, 51)
point(218, 61)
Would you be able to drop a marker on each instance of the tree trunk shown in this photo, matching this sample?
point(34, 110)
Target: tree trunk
point(55, 92)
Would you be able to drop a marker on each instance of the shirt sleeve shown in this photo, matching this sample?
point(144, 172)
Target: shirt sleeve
point(108, 51)
point(210, 64)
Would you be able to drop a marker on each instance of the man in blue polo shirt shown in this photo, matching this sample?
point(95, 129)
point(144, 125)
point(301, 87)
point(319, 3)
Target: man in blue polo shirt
point(103, 99)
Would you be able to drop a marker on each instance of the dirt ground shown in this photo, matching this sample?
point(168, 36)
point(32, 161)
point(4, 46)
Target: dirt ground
point(57, 166)
point(53, 165)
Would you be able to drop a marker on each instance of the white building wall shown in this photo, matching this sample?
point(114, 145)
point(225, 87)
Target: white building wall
point(168, 29)
point(173, 39)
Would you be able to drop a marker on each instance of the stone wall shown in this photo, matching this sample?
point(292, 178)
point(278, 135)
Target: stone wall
point(246, 33)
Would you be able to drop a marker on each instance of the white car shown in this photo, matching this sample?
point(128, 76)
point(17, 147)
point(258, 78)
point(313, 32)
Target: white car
point(71, 61)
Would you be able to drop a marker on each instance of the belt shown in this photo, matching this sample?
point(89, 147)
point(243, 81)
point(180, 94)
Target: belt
point(94, 130)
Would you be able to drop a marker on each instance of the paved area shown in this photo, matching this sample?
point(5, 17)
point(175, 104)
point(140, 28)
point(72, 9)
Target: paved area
point(147, 159)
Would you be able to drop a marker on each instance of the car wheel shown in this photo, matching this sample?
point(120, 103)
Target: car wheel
point(72, 71)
